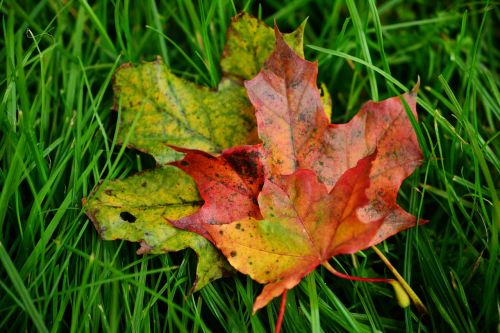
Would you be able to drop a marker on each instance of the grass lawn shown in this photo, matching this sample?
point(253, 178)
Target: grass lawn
point(58, 139)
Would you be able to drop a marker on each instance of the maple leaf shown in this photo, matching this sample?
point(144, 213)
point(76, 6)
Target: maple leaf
point(135, 209)
point(328, 190)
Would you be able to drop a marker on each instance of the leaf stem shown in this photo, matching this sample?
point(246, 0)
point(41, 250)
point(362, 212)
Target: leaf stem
point(400, 293)
point(281, 314)
point(415, 299)
point(332, 270)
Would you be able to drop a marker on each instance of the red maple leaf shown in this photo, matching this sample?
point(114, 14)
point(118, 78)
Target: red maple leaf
point(328, 189)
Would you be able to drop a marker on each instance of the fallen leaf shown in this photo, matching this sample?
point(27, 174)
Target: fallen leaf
point(136, 209)
point(229, 185)
point(303, 227)
point(328, 190)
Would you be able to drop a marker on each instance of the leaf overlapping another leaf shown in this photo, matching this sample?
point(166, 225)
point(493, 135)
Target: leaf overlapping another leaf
point(328, 189)
point(158, 110)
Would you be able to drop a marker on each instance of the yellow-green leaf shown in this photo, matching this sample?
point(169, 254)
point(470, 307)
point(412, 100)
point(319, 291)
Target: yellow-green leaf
point(326, 101)
point(250, 42)
point(158, 109)
point(138, 208)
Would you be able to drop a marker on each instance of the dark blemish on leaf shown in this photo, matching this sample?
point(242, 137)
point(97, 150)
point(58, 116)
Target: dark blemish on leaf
point(233, 254)
point(144, 184)
point(126, 216)
point(293, 84)
point(184, 163)
point(268, 272)
point(221, 232)
point(250, 263)
point(108, 192)
point(246, 164)
point(238, 226)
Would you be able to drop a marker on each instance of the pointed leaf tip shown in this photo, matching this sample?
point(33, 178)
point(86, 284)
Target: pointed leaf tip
point(278, 35)
point(415, 88)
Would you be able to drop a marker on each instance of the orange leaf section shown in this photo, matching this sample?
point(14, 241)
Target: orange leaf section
point(228, 184)
point(303, 226)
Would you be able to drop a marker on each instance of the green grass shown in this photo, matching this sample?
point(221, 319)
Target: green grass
point(57, 140)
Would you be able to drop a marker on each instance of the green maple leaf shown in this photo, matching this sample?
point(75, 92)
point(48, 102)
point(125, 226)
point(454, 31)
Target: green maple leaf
point(158, 109)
